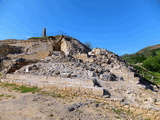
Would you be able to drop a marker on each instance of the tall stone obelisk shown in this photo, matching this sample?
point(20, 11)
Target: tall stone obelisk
point(44, 32)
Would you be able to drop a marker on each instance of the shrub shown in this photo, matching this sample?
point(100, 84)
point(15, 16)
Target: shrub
point(152, 64)
point(88, 44)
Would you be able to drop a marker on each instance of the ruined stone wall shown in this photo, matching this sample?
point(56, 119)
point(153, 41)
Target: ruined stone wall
point(4, 49)
point(37, 47)
point(37, 55)
point(83, 57)
point(67, 45)
point(64, 47)
point(81, 86)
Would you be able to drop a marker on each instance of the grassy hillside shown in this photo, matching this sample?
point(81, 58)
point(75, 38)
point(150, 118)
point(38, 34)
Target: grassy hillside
point(147, 62)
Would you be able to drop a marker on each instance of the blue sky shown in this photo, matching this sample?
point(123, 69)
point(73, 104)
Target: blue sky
point(120, 26)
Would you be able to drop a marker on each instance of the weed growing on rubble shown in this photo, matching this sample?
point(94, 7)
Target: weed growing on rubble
point(117, 111)
point(51, 115)
point(97, 102)
point(79, 111)
point(57, 95)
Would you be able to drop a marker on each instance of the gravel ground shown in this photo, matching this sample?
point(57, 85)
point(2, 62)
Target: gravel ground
point(43, 106)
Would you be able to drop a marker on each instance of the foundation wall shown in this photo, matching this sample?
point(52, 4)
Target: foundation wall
point(81, 86)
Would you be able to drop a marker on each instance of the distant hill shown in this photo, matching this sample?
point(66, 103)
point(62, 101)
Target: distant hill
point(149, 48)
point(147, 62)
point(142, 54)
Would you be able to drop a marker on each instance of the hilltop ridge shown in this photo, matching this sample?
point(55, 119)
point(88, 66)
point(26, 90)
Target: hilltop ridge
point(149, 48)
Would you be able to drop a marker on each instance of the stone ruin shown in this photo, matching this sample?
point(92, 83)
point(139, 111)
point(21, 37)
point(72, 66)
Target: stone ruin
point(44, 32)
point(63, 63)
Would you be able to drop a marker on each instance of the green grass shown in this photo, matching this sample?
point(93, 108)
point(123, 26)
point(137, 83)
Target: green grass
point(158, 52)
point(51, 115)
point(40, 37)
point(22, 89)
point(97, 102)
point(156, 74)
point(57, 95)
point(79, 111)
point(9, 85)
point(25, 89)
point(1, 95)
point(129, 112)
point(117, 111)
point(148, 74)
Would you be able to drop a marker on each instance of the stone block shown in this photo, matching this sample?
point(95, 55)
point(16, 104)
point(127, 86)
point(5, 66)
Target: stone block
point(30, 77)
point(19, 82)
point(157, 114)
point(54, 80)
point(62, 87)
point(88, 90)
point(145, 111)
point(68, 88)
point(75, 89)
point(157, 118)
point(48, 85)
point(33, 84)
point(40, 85)
point(82, 90)
point(41, 78)
point(2, 80)
point(26, 83)
point(98, 91)
point(86, 82)
point(148, 114)
point(66, 75)
point(14, 82)
point(126, 107)
point(8, 75)
point(76, 82)
point(132, 109)
point(10, 81)
point(158, 103)
point(66, 81)
point(5, 80)
point(53, 86)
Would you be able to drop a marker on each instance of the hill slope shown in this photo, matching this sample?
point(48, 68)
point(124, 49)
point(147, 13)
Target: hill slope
point(149, 48)
point(147, 61)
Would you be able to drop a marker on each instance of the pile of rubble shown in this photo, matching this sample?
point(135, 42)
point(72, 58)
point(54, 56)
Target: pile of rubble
point(67, 66)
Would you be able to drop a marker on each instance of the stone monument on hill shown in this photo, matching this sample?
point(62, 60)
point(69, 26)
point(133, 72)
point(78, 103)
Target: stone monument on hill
point(44, 32)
